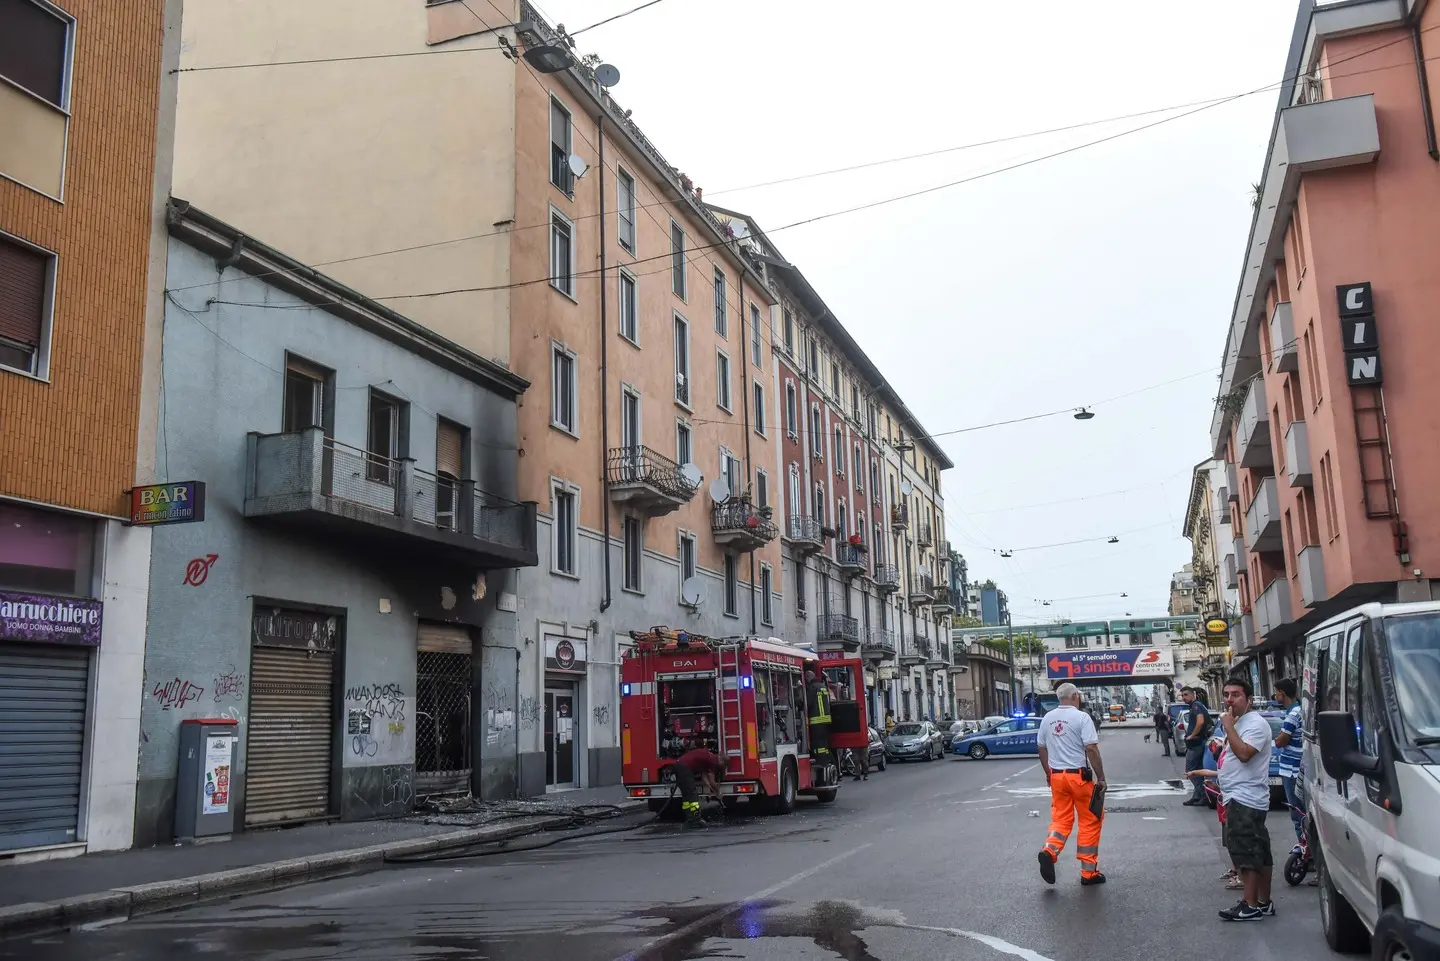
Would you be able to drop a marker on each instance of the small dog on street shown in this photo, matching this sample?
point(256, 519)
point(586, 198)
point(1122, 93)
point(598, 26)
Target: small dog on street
point(1147, 739)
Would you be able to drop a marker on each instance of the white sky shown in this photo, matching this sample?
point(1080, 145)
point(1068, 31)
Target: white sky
point(1055, 285)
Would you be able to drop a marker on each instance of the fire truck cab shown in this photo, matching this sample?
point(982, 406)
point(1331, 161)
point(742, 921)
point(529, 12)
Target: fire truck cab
point(743, 698)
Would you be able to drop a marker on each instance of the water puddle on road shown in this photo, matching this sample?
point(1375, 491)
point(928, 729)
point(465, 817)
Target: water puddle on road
point(1115, 792)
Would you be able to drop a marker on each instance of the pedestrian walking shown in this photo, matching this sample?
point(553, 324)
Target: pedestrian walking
point(1162, 728)
point(1245, 790)
point(1070, 757)
point(705, 766)
point(1198, 730)
point(1288, 742)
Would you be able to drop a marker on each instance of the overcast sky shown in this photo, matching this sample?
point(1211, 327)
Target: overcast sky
point(1059, 284)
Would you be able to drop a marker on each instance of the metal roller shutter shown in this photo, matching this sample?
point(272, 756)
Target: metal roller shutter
point(449, 443)
point(288, 757)
point(43, 694)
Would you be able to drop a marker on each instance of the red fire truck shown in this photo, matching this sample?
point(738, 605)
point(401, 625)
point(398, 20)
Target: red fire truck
point(744, 699)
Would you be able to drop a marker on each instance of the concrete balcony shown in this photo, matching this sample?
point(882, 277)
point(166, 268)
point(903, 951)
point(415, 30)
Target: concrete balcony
point(647, 481)
point(900, 516)
point(1252, 433)
point(839, 629)
point(738, 525)
point(804, 535)
point(922, 589)
point(942, 603)
point(1284, 351)
point(317, 485)
point(924, 537)
point(1312, 576)
point(959, 658)
point(879, 645)
point(1232, 482)
point(1232, 572)
point(939, 658)
point(1272, 609)
point(1298, 466)
point(1262, 518)
point(1240, 551)
point(887, 578)
point(1242, 633)
point(850, 559)
point(916, 652)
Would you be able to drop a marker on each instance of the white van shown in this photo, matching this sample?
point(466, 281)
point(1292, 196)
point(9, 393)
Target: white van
point(1371, 700)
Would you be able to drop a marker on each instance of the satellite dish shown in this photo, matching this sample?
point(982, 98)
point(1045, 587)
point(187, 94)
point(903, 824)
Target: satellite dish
point(692, 591)
point(692, 475)
point(906, 488)
point(578, 166)
point(607, 75)
point(720, 490)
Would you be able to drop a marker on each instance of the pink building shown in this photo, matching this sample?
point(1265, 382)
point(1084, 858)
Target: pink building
point(1329, 412)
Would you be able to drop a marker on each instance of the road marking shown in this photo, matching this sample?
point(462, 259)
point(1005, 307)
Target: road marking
point(983, 800)
point(990, 941)
point(1023, 770)
point(730, 909)
point(1152, 819)
point(997, 807)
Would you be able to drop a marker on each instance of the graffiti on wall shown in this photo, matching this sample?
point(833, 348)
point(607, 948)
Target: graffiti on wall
point(198, 570)
point(601, 713)
point(376, 721)
point(229, 686)
point(529, 711)
point(175, 693)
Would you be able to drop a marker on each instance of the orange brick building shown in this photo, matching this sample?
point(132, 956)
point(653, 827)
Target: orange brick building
point(82, 83)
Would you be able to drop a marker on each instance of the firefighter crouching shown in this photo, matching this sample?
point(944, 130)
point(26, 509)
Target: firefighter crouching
point(707, 767)
point(1070, 757)
point(817, 702)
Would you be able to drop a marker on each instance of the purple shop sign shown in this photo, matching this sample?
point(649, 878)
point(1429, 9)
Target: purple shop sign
point(45, 619)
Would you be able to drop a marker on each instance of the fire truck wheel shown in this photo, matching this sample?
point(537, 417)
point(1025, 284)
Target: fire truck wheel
point(784, 802)
point(826, 796)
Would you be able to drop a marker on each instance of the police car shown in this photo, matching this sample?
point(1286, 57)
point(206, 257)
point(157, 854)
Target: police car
point(1015, 735)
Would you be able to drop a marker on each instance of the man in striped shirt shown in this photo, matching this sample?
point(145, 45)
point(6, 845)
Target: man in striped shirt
point(1290, 742)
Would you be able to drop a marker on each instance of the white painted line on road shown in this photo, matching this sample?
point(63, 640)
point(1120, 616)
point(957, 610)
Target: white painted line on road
point(1023, 770)
point(983, 800)
point(730, 909)
point(998, 807)
point(990, 941)
point(1152, 819)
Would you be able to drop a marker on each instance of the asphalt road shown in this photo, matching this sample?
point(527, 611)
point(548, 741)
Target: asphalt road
point(924, 861)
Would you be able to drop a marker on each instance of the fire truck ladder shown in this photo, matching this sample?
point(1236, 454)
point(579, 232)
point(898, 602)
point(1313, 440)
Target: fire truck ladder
point(732, 734)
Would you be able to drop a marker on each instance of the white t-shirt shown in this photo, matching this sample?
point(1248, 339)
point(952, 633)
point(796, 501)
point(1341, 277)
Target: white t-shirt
point(1248, 782)
point(1064, 733)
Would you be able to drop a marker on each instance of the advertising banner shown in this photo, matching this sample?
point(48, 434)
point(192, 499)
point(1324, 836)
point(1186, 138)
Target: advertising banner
point(217, 775)
point(1137, 662)
point(182, 503)
point(43, 619)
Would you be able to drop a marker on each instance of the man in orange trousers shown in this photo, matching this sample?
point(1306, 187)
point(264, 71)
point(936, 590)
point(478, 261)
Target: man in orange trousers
point(1070, 757)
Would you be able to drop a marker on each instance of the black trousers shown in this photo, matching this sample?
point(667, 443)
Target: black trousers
point(685, 781)
point(1163, 736)
point(819, 739)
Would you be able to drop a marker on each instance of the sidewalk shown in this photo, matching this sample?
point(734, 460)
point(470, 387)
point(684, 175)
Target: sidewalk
point(115, 885)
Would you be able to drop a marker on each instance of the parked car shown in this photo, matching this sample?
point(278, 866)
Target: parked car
point(876, 751)
point(1016, 735)
point(1179, 721)
point(915, 741)
point(1277, 787)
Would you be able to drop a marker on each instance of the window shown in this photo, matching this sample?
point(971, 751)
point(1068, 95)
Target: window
point(817, 445)
point(629, 308)
point(625, 209)
point(450, 444)
point(383, 444)
point(562, 254)
point(838, 452)
point(46, 551)
point(814, 357)
point(732, 587)
point(684, 451)
point(722, 320)
point(566, 503)
point(762, 488)
point(682, 361)
point(562, 389)
point(634, 550)
point(1073, 643)
point(791, 427)
point(855, 401)
point(722, 380)
point(842, 519)
point(27, 286)
point(1312, 366)
point(687, 557)
point(758, 390)
point(630, 436)
point(757, 350)
point(560, 140)
point(817, 506)
point(677, 260)
point(800, 588)
point(857, 460)
point(875, 479)
point(1327, 492)
point(304, 402)
point(730, 467)
point(789, 333)
point(767, 591)
point(878, 545)
point(835, 378)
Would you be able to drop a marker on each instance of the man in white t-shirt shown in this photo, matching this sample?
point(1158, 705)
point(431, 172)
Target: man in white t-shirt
point(1245, 789)
point(1070, 757)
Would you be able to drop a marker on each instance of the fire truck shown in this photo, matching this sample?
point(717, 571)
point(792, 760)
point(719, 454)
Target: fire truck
point(744, 699)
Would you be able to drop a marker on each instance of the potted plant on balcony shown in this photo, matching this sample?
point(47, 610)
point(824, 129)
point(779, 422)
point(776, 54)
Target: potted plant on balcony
point(827, 532)
point(766, 511)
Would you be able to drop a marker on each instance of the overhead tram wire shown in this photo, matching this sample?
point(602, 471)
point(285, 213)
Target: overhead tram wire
point(618, 16)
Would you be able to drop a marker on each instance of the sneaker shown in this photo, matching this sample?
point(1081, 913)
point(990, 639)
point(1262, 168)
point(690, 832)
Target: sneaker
point(1047, 867)
point(1242, 912)
point(1230, 875)
point(1096, 878)
point(1267, 908)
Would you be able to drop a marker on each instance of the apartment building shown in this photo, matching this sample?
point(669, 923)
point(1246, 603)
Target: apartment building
point(867, 564)
point(1325, 417)
point(84, 118)
point(530, 222)
point(1182, 591)
point(1211, 569)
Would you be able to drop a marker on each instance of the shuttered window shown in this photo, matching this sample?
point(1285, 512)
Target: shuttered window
point(449, 444)
point(24, 303)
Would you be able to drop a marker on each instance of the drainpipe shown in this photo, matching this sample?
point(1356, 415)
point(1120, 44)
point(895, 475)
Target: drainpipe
point(745, 412)
point(605, 600)
point(1426, 107)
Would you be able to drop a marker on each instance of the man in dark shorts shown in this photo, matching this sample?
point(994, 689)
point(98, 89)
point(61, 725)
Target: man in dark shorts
point(1245, 787)
point(696, 769)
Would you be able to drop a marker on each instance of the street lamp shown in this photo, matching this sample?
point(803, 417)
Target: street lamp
point(1084, 413)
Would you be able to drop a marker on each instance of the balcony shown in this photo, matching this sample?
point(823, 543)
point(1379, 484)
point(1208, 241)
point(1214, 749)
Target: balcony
point(879, 645)
point(922, 589)
point(1297, 455)
point(1252, 432)
point(939, 656)
point(850, 559)
point(1232, 572)
point(887, 578)
point(1240, 551)
point(647, 481)
point(1232, 482)
point(1262, 518)
point(839, 629)
point(738, 525)
point(900, 516)
point(1242, 633)
point(382, 505)
point(1312, 576)
point(1284, 352)
point(959, 658)
point(805, 535)
point(924, 537)
point(942, 603)
point(917, 652)
point(1272, 609)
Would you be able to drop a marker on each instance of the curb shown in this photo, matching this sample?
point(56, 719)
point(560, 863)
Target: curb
point(141, 899)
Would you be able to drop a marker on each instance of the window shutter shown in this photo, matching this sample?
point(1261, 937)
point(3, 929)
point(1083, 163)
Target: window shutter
point(22, 293)
point(449, 442)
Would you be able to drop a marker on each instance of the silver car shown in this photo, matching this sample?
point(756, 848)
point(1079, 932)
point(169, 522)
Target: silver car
point(915, 741)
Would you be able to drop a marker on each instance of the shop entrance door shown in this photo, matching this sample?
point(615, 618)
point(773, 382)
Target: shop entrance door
point(560, 737)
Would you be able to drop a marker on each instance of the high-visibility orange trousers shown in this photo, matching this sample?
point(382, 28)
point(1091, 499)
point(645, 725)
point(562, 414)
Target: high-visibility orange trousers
point(1070, 794)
